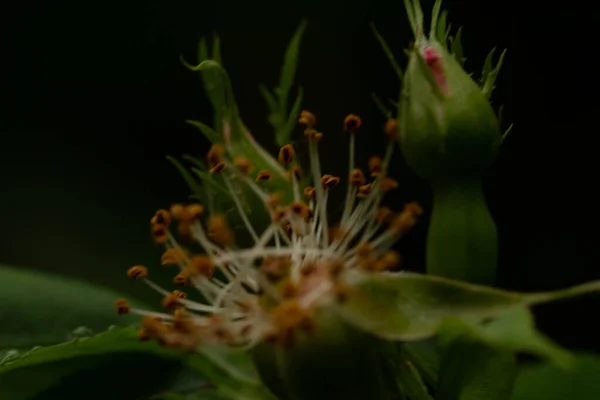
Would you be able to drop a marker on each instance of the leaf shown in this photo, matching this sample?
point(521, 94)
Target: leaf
point(489, 74)
point(193, 184)
point(388, 52)
point(424, 356)
point(286, 133)
point(290, 62)
point(457, 50)
point(442, 29)
point(471, 370)
point(513, 331)
point(548, 382)
point(206, 130)
point(384, 110)
point(38, 309)
point(435, 13)
point(409, 306)
point(408, 379)
point(114, 364)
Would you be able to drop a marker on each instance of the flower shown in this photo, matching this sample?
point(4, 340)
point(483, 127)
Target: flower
point(298, 264)
point(279, 292)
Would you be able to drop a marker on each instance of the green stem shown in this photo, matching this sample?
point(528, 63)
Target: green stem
point(462, 242)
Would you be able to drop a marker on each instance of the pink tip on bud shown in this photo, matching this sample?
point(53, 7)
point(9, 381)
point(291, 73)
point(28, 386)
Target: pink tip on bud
point(434, 61)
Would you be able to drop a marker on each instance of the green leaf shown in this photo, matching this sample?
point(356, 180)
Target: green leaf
point(410, 13)
point(424, 356)
point(38, 309)
point(409, 306)
point(206, 130)
point(193, 184)
point(471, 370)
point(382, 107)
point(284, 135)
point(442, 28)
point(489, 74)
point(513, 331)
point(388, 52)
point(456, 47)
point(290, 62)
point(548, 382)
point(114, 364)
point(435, 13)
point(408, 379)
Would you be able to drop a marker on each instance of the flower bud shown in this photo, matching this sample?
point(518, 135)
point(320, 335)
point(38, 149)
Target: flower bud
point(447, 125)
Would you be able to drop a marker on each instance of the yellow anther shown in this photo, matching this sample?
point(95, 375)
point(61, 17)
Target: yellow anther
point(137, 272)
point(161, 217)
point(182, 279)
point(352, 123)
point(174, 256)
point(217, 168)
point(309, 192)
point(193, 212)
point(263, 175)
point(202, 265)
point(375, 165)
point(300, 209)
point(388, 184)
point(364, 190)
point(307, 118)
point(296, 172)
point(391, 130)
point(159, 233)
point(215, 154)
point(122, 306)
point(243, 164)
point(219, 232)
point(286, 154)
point(357, 177)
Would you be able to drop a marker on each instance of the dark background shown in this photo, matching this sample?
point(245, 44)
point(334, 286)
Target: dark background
point(94, 97)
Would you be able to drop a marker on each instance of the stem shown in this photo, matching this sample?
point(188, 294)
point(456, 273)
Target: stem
point(462, 242)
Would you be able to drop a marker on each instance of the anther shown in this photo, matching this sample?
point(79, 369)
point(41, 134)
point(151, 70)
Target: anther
point(364, 190)
point(122, 306)
point(219, 232)
point(389, 261)
point(202, 265)
point(375, 165)
point(217, 168)
point(286, 154)
point(310, 192)
point(263, 175)
point(383, 215)
point(159, 233)
point(170, 301)
point(279, 215)
point(300, 209)
point(177, 211)
point(274, 200)
point(329, 181)
point(357, 177)
point(137, 272)
point(391, 130)
point(161, 217)
point(296, 172)
point(388, 184)
point(182, 279)
point(173, 256)
point(243, 164)
point(193, 211)
point(143, 335)
point(215, 154)
point(307, 118)
point(352, 123)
